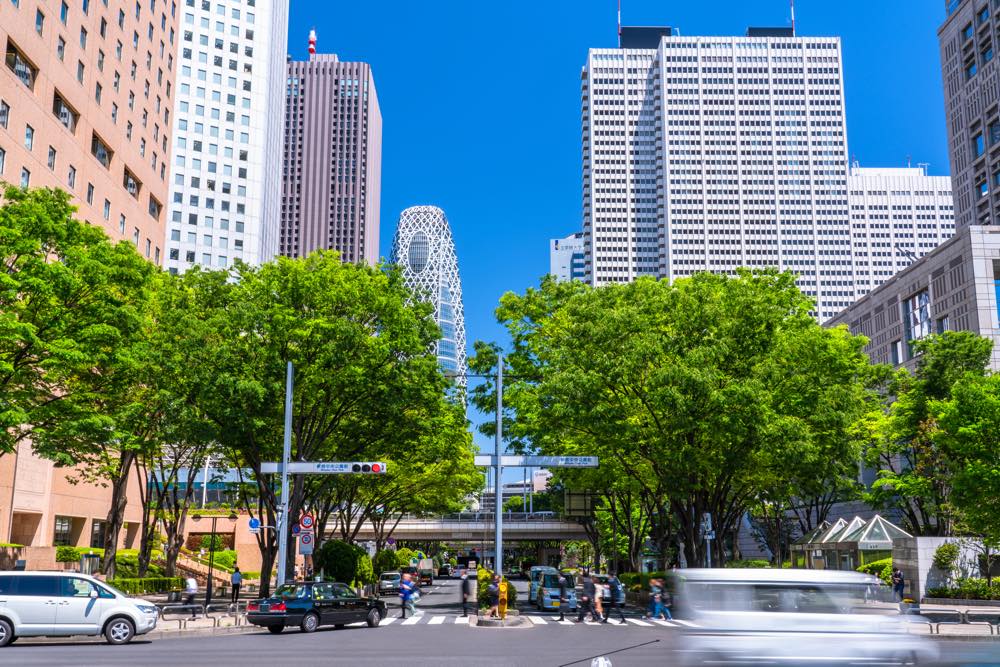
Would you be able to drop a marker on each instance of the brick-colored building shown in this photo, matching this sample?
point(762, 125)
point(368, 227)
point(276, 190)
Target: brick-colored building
point(86, 105)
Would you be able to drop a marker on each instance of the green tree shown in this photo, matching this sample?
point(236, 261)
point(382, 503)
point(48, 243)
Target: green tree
point(385, 560)
point(915, 476)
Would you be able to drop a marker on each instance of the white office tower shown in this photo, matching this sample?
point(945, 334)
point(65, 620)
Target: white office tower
point(897, 217)
point(424, 250)
point(225, 196)
point(711, 153)
point(566, 258)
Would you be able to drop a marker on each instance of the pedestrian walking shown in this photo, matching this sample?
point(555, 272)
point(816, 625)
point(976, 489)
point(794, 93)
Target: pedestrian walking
point(655, 599)
point(898, 584)
point(666, 601)
point(494, 595)
point(616, 598)
point(467, 598)
point(587, 599)
point(563, 596)
point(191, 590)
point(406, 592)
point(598, 598)
point(236, 580)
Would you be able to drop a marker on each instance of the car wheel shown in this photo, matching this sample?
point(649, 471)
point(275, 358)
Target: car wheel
point(374, 618)
point(275, 629)
point(309, 623)
point(6, 633)
point(119, 631)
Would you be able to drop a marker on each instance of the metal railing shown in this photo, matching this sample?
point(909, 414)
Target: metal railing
point(475, 517)
point(215, 611)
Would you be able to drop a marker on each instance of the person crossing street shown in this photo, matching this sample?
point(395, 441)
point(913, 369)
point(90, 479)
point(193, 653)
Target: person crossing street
point(563, 596)
point(587, 599)
point(466, 589)
point(616, 598)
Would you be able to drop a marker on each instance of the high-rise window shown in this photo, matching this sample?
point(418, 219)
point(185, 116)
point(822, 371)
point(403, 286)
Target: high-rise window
point(39, 21)
point(917, 317)
point(63, 534)
point(4, 114)
point(29, 137)
point(98, 531)
point(25, 178)
point(978, 145)
point(52, 158)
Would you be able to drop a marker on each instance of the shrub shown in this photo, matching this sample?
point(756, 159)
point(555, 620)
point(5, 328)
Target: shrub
point(404, 556)
point(879, 568)
point(967, 589)
point(365, 572)
point(251, 575)
point(146, 585)
point(225, 559)
point(66, 554)
point(344, 562)
point(484, 577)
point(211, 542)
point(385, 560)
point(453, 561)
point(946, 556)
point(757, 563)
point(10, 545)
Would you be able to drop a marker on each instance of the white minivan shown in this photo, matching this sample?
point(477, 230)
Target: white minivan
point(59, 604)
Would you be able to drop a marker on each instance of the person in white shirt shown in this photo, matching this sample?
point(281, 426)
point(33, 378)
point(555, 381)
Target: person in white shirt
point(191, 588)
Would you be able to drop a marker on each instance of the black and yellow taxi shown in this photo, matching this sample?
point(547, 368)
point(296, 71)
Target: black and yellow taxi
point(308, 605)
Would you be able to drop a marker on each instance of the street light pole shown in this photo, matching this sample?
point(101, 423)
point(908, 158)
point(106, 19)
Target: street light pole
point(211, 553)
point(286, 454)
point(498, 510)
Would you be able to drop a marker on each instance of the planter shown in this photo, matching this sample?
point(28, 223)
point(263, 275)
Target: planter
point(960, 602)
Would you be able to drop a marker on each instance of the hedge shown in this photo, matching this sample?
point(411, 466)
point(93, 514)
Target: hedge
point(967, 589)
point(879, 568)
point(483, 585)
point(756, 563)
point(146, 585)
point(10, 545)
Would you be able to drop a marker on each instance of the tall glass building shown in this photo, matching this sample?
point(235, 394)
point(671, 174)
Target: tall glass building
point(425, 252)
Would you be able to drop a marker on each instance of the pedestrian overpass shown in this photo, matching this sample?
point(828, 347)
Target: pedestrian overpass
point(479, 527)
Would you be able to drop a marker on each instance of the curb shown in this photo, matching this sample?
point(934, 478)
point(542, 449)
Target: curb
point(155, 635)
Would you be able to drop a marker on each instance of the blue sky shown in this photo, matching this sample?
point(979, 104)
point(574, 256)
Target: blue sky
point(481, 106)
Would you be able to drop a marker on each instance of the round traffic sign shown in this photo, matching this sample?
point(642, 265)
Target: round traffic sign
point(254, 523)
point(306, 522)
point(306, 538)
point(296, 529)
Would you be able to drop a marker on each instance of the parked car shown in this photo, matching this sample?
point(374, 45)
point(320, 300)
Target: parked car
point(535, 578)
point(547, 596)
point(61, 604)
point(308, 605)
point(764, 616)
point(388, 583)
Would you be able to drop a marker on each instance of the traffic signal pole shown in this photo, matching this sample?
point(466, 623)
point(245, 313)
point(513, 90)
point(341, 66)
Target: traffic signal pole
point(498, 486)
point(286, 454)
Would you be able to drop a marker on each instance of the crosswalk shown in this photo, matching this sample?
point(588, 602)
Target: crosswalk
point(448, 619)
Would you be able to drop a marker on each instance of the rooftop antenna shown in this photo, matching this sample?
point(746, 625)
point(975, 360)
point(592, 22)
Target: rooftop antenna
point(792, 4)
point(312, 42)
point(924, 166)
point(619, 24)
point(909, 161)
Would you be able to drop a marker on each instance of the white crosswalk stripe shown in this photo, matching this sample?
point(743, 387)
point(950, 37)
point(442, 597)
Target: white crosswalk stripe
point(436, 620)
point(666, 624)
point(412, 620)
point(442, 619)
point(565, 622)
point(537, 620)
point(461, 619)
point(636, 621)
point(389, 621)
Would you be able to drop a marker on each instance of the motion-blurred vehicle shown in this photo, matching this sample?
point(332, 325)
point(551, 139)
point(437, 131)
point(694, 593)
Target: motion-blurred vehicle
point(388, 583)
point(444, 570)
point(788, 617)
point(308, 605)
point(535, 578)
point(547, 596)
point(425, 568)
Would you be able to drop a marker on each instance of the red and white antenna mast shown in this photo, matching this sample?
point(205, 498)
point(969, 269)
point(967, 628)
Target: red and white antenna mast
point(792, 3)
point(619, 24)
point(312, 42)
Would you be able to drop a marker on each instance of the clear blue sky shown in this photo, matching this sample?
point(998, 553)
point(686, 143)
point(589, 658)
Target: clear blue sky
point(481, 106)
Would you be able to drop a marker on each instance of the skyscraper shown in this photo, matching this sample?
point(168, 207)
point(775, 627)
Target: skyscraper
point(967, 39)
point(566, 258)
point(228, 130)
point(86, 105)
point(711, 153)
point(425, 252)
point(333, 159)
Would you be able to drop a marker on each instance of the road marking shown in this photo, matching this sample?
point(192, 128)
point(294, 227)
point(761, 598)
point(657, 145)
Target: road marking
point(537, 620)
point(638, 622)
point(687, 623)
point(666, 624)
point(412, 620)
point(461, 619)
point(436, 620)
point(387, 621)
point(565, 622)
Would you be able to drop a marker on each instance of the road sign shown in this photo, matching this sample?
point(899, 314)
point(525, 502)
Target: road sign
point(390, 541)
point(307, 522)
point(254, 523)
point(539, 461)
point(710, 535)
point(296, 529)
point(325, 467)
point(306, 544)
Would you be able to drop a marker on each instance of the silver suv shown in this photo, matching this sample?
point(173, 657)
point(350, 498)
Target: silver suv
point(59, 604)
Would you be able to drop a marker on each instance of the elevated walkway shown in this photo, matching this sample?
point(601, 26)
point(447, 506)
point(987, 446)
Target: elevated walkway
point(476, 526)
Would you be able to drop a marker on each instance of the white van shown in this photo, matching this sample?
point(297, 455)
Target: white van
point(59, 604)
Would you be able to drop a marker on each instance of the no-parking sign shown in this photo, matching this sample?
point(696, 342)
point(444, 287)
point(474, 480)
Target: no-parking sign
point(306, 544)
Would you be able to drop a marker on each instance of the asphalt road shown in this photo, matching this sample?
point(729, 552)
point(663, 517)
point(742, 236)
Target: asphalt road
point(424, 643)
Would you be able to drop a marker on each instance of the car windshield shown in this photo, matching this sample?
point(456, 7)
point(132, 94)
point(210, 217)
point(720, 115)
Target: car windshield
point(390, 577)
point(552, 581)
point(802, 598)
point(291, 591)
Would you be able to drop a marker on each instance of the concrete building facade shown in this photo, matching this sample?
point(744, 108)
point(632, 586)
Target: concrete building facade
point(332, 160)
point(86, 105)
point(228, 132)
point(952, 289)
point(968, 40)
point(567, 258)
point(897, 216)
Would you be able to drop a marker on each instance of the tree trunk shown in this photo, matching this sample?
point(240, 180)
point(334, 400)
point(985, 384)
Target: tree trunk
point(116, 513)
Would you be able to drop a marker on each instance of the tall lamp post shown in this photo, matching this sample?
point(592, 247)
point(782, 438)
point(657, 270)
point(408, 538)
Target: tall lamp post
point(211, 551)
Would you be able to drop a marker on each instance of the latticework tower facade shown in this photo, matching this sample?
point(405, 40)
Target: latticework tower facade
point(424, 250)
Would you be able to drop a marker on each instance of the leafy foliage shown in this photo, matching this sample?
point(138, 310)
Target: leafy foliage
point(967, 589)
point(344, 562)
point(879, 568)
point(147, 585)
point(385, 560)
point(945, 556)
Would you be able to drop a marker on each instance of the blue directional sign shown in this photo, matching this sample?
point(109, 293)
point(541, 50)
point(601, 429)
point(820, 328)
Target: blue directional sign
point(254, 523)
point(296, 529)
